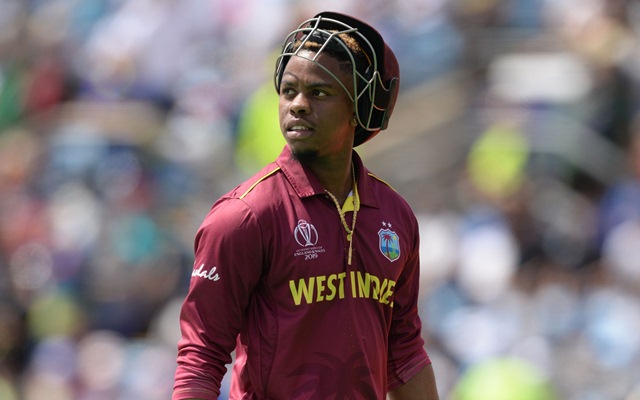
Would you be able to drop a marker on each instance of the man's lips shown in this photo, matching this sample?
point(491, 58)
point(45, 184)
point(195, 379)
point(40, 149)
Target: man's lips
point(299, 130)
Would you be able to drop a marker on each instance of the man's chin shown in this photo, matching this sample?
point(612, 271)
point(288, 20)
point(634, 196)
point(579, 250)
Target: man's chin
point(304, 156)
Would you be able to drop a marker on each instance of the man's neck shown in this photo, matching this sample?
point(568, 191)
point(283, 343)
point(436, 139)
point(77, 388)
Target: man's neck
point(339, 185)
point(335, 175)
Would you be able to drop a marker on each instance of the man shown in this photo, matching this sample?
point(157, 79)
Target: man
point(309, 270)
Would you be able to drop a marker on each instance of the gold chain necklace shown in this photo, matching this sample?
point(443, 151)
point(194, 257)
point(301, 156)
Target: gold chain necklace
point(356, 206)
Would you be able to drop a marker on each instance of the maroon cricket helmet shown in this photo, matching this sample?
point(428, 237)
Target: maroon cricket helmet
point(376, 73)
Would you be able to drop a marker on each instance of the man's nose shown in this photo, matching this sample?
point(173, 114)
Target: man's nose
point(300, 104)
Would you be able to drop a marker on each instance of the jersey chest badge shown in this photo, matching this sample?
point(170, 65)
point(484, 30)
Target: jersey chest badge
point(307, 237)
point(305, 234)
point(389, 244)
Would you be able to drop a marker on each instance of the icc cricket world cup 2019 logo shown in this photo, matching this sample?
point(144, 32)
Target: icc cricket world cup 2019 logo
point(305, 234)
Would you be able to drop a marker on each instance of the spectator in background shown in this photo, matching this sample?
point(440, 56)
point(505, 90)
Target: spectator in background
point(619, 218)
point(258, 138)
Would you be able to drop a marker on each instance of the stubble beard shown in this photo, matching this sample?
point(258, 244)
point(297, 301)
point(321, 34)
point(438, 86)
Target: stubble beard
point(305, 157)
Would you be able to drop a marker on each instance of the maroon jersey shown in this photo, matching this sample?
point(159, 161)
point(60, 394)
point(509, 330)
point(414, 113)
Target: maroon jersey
point(271, 280)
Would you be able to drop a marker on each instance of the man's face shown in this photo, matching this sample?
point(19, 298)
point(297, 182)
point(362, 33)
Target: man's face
point(315, 110)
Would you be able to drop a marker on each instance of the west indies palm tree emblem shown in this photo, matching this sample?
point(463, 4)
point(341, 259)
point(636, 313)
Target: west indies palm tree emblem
point(389, 243)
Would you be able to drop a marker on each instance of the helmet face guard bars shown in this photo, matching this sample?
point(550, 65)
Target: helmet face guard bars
point(375, 85)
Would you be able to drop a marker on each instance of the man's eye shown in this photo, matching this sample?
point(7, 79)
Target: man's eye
point(319, 93)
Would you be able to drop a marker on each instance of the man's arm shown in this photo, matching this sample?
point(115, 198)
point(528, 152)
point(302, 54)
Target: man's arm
point(223, 279)
point(421, 387)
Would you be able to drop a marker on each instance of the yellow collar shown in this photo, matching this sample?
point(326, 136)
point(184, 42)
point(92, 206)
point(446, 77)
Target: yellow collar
point(349, 203)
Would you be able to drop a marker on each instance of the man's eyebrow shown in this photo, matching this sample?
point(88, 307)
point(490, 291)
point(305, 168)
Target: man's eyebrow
point(310, 85)
point(316, 85)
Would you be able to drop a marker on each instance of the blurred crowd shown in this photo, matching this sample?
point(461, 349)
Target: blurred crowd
point(121, 122)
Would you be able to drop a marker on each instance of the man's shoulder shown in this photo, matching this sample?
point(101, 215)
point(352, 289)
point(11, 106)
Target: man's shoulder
point(379, 182)
point(247, 200)
point(386, 194)
point(383, 189)
point(255, 192)
point(261, 184)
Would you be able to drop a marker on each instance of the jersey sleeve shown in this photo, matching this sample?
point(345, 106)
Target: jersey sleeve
point(406, 354)
point(228, 265)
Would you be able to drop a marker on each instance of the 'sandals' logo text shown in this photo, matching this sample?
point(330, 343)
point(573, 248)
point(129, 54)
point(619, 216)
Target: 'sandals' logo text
point(211, 274)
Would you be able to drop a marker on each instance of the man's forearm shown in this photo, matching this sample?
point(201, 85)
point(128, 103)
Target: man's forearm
point(421, 387)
